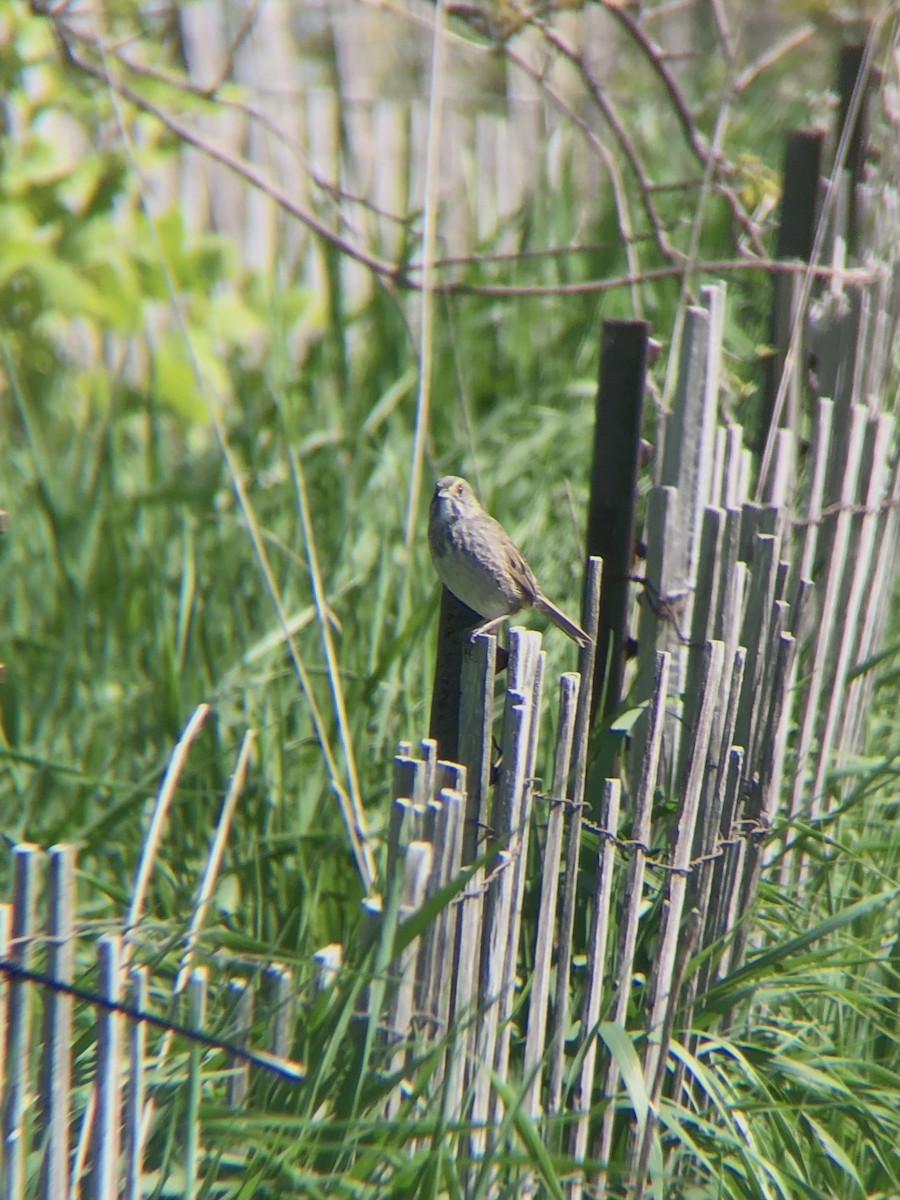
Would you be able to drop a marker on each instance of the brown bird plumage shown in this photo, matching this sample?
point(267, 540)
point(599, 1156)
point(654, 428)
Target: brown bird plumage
point(479, 563)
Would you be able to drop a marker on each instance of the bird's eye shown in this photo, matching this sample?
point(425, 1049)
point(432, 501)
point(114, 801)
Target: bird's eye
point(459, 489)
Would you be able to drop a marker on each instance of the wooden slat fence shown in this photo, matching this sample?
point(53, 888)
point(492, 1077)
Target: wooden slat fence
point(728, 603)
point(754, 609)
point(735, 584)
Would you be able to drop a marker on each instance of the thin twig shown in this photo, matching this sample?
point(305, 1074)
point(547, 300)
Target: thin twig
point(429, 240)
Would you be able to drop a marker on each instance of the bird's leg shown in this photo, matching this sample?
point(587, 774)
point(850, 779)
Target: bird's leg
point(487, 627)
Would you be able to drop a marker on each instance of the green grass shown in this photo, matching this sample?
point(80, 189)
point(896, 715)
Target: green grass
point(131, 593)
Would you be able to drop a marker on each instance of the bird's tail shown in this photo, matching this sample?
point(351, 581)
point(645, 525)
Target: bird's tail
point(561, 621)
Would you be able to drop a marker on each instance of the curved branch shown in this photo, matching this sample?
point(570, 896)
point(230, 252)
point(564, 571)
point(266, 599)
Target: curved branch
point(576, 59)
point(695, 139)
point(247, 171)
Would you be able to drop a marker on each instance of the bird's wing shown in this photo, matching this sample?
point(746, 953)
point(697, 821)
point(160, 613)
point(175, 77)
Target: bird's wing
point(521, 572)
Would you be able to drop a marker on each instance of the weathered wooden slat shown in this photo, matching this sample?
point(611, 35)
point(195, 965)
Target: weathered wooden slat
point(6, 926)
point(658, 623)
point(240, 998)
point(476, 737)
point(632, 899)
point(716, 842)
point(408, 791)
point(687, 463)
point(667, 956)
point(725, 891)
point(439, 940)
point(763, 797)
point(281, 1001)
point(569, 685)
point(754, 633)
point(196, 995)
point(877, 606)
point(590, 618)
point(779, 484)
point(734, 489)
point(497, 973)
point(104, 1175)
point(841, 523)
point(706, 617)
point(56, 1074)
point(596, 972)
point(519, 850)
point(861, 547)
point(817, 469)
point(416, 869)
point(26, 865)
point(136, 1085)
